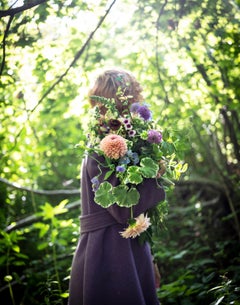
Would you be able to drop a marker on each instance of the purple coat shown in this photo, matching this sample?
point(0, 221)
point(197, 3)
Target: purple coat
point(108, 269)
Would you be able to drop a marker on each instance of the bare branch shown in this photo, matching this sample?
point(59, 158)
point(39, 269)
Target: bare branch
point(76, 57)
point(13, 11)
point(4, 44)
point(40, 192)
point(201, 183)
point(156, 55)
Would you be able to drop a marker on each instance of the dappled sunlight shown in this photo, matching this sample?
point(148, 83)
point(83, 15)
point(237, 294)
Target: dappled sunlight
point(186, 57)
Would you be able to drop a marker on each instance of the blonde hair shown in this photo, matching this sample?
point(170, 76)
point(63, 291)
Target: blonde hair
point(108, 85)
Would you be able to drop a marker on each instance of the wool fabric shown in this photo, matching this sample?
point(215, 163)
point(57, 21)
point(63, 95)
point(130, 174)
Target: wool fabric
point(108, 269)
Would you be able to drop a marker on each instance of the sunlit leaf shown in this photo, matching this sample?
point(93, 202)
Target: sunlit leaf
point(43, 228)
point(16, 248)
point(8, 278)
point(149, 168)
point(134, 175)
point(104, 195)
point(108, 174)
point(42, 245)
point(60, 208)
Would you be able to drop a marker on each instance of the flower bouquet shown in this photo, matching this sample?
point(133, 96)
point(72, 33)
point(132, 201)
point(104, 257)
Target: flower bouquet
point(134, 149)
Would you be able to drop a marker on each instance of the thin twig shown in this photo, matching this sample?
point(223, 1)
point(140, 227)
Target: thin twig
point(76, 57)
point(12, 12)
point(4, 44)
point(157, 60)
point(27, 5)
point(40, 192)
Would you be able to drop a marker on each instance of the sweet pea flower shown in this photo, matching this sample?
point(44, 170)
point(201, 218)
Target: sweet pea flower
point(120, 169)
point(124, 160)
point(95, 183)
point(135, 158)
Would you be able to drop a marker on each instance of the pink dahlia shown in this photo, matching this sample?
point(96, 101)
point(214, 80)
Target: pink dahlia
point(142, 223)
point(113, 146)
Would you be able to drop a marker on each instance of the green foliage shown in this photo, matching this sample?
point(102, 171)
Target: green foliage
point(186, 55)
point(134, 174)
point(126, 197)
point(198, 265)
point(226, 292)
point(103, 195)
point(148, 168)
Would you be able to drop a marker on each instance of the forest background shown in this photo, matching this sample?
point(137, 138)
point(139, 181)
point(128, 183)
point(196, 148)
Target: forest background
point(186, 55)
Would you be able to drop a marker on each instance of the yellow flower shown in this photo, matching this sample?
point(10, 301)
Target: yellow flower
point(142, 223)
point(113, 146)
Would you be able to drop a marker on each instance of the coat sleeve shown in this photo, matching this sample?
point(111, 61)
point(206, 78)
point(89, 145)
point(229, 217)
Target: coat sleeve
point(150, 193)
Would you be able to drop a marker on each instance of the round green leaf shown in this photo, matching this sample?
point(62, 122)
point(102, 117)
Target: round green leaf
point(104, 195)
point(149, 168)
point(167, 148)
point(134, 175)
point(125, 197)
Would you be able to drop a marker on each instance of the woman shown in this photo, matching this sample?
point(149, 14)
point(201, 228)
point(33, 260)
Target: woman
point(108, 269)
